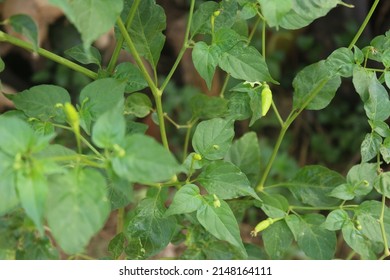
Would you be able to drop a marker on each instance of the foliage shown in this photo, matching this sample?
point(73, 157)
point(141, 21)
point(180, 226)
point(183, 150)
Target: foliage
point(52, 194)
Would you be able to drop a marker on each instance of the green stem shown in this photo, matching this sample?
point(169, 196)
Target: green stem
point(263, 38)
point(161, 120)
point(186, 142)
point(364, 24)
point(312, 208)
point(224, 86)
point(183, 48)
point(174, 67)
point(4, 37)
point(386, 252)
point(119, 43)
point(120, 220)
point(136, 56)
point(155, 91)
point(280, 120)
point(293, 115)
point(85, 141)
point(253, 31)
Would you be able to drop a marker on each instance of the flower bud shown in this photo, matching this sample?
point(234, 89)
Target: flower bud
point(217, 202)
point(197, 157)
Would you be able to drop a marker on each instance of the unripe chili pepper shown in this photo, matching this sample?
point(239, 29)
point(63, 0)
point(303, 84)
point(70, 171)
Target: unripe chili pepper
point(266, 99)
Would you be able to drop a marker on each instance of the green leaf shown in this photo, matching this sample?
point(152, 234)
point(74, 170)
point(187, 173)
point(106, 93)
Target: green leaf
point(16, 136)
point(36, 248)
point(360, 244)
point(313, 184)
point(370, 146)
point(120, 191)
point(186, 200)
point(40, 102)
point(190, 164)
point(116, 245)
point(274, 205)
point(305, 12)
point(135, 127)
point(101, 96)
point(385, 150)
point(382, 184)
point(360, 181)
point(249, 9)
point(144, 161)
point(110, 128)
point(260, 98)
point(2, 65)
point(92, 18)
point(277, 240)
point(220, 222)
point(368, 214)
point(255, 104)
point(150, 228)
point(26, 26)
point(201, 23)
point(378, 103)
point(138, 104)
point(336, 220)
point(226, 181)
point(362, 176)
point(32, 190)
point(317, 242)
point(225, 39)
point(228, 14)
point(131, 75)
point(274, 11)
point(361, 79)
point(8, 196)
point(205, 59)
point(146, 29)
point(239, 106)
point(77, 208)
point(358, 55)
point(380, 127)
point(387, 77)
point(344, 192)
point(309, 81)
point(212, 138)
point(78, 53)
point(341, 62)
point(208, 107)
point(245, 63)
point(245, 154)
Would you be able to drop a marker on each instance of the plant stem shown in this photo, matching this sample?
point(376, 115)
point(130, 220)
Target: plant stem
point(263, 38)
point(186, 142)
point(224, 86)
point(293, 115)
point(183, 48)
point(119, 43)
point(161, 120)
point(253, 31)
point(386, 252)
point(312, 208)
point(155, 91)
point(4, 37)
point(85, 141)
point(364, 24)
point(136, 56)
point(120, 220)
point(280, 120)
